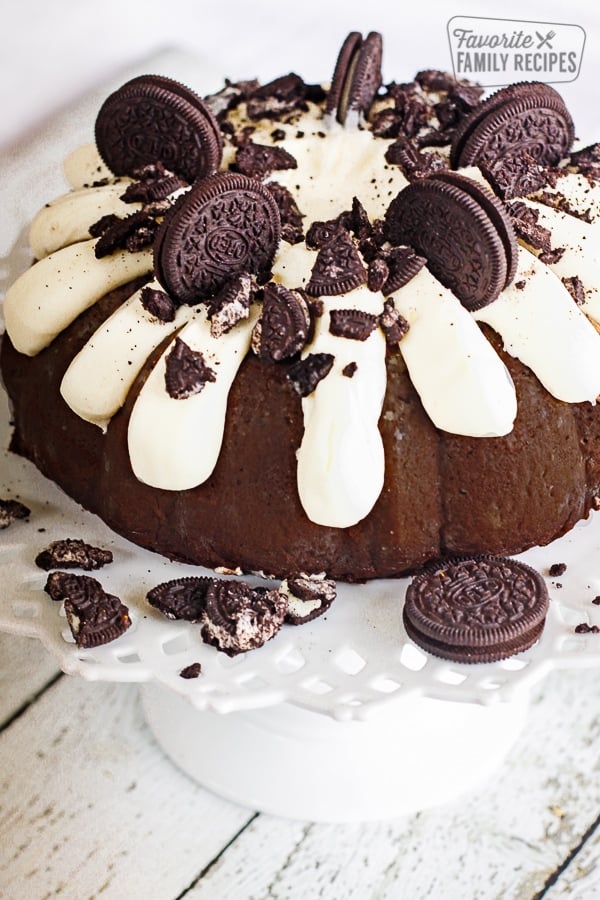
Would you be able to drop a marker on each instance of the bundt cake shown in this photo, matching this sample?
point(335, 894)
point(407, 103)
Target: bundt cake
point(290, 328)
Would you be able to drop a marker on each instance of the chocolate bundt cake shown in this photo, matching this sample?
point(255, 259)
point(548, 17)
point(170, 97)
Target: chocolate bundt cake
point(288, 328)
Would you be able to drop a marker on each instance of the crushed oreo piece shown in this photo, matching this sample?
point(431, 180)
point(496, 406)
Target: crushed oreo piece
point(231, 304)
point(587, 161)
point(292, 229)
point(73, 553)
point(186, 371)
point(559, 202)
point(283, 328)
point(338, 268)
point(238, 618)
point(354, 324)
point(305, 374)
point(278, 98)
point(191, 671)
point(413, 163)
point(132, 233)
point(158, 304)
point(153, 183)
point(377, 274)
point(525, 222)
point(181, 598)
point(259, 160)
point(358, 220)
point(230, 96)
point(575, 287)
point(402, 264)
point(551, 256)
point(350, 370)
point(596, 601)
point(60, 585)
point(557, 569)
point(320, 233)
point(392, 323)
point(309, 596)
point(517, 176)
point(95, 617)
point(102, 225)
point(11, 510)
point(584, 628)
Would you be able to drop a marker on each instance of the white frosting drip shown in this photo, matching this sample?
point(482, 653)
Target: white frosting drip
point(333, 170)
point(580, 242)
point(46, 298)
point(68, 218)
point(542, 326)
point(174, 444)
point(463, 385)
point(341, 459)
point(84, 167)
point(582, 195)
point(98, 379)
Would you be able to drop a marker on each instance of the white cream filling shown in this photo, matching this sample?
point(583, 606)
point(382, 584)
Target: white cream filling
point(175, 443)
point(68, 218)
point(99, 378)
point(541, 325)
point(47, 297)
point(464, 386)
point(341, 459)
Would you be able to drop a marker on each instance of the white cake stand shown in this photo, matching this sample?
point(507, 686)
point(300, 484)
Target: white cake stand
point(341, 719)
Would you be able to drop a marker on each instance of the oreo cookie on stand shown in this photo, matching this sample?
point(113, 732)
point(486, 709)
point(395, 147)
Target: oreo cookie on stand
point(226, 225)
point(476, 609)
point(356, 77)
point(154, 119)
point(463, 232)
point(528, 118)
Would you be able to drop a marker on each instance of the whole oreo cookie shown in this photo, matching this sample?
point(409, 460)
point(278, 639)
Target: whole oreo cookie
point(530, 117)
point(356, 77)
point(155, 119)
point(462, 232)
point(495, 210)
point(478, 609)
point(227, 224)
point(347, 54)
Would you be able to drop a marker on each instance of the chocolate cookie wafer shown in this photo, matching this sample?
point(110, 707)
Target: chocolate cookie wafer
point(462, 232)
point(225, 225)
point(476, 609)
point(356, 77)
point(154, 119)
point(530, 117)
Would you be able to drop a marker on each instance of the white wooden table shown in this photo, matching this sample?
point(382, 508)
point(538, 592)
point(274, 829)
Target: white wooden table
point(90, 807)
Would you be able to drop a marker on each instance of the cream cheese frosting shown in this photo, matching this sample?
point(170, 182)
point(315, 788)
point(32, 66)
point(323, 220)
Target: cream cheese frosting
point(462, 383)
point(53, 292)
point(175, 443)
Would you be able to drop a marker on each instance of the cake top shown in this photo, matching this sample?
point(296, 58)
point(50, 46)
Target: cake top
point(321, 228)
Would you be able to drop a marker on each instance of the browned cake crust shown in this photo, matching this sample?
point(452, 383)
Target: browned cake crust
point(443, 494)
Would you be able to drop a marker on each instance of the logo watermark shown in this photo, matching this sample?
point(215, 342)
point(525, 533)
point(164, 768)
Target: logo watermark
point(498, 51)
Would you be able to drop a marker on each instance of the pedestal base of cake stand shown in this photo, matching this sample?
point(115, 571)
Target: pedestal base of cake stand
point(299, 764)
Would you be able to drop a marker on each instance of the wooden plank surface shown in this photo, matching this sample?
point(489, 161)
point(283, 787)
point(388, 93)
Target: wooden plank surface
point(25, 669)
point(90, 807)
